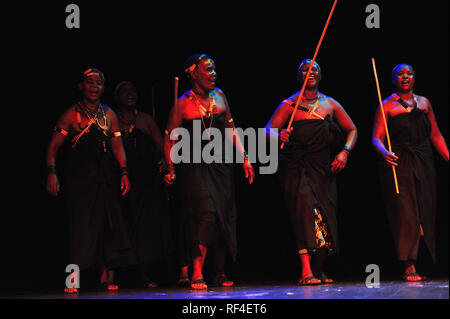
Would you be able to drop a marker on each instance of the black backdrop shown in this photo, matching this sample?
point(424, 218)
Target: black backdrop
point(257, 49)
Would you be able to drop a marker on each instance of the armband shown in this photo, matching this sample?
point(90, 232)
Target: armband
point(62, 131)
point(117, 134)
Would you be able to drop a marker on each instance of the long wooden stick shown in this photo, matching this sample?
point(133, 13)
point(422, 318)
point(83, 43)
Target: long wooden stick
point(310, 67)
point(176, 91)
point(385, 124)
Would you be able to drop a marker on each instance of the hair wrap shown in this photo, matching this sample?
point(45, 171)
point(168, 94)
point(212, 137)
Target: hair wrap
point(193, 61)
point(92, 71)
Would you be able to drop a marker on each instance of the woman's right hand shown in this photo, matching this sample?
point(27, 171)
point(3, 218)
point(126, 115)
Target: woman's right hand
point(52, 184)
point(390, 158)
point(285, 134)
point(169, 178)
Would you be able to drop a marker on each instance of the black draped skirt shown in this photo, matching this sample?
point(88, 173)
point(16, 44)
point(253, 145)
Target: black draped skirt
point(146, 207)
point(97, 231)
point(207, 201)
point(415, 206)
point(307, 181)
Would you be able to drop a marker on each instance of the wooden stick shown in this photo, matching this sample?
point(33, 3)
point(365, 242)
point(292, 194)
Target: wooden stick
point(310, 67)
point(176, 91)
point(385, 124)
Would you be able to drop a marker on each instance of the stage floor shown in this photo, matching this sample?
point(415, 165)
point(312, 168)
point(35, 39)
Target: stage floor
point(432, 289)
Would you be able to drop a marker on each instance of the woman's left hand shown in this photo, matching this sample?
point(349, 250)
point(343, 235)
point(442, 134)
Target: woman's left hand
point(339, 162)
point(249, 171)
point(162, 166)
point(125, 184)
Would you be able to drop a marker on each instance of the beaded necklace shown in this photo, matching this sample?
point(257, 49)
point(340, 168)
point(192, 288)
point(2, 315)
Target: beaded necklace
point(405, 104)
point(93, 116)
point(203, 111)
point(130, 125)
point(313, 108)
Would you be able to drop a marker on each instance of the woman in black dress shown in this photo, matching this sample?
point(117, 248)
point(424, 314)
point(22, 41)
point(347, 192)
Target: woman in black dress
point(413, 131)
point(97, 232)
point(209, 211)
point(314, 152)
point(146, 206)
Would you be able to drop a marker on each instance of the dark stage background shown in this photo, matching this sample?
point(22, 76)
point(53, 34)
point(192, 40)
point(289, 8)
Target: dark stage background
point(257, 49)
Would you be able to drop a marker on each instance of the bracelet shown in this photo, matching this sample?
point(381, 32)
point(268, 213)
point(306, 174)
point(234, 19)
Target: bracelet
point(116, 134)
point(51, 169)
point(346, 149)
point(245, 154)
point(124, 170)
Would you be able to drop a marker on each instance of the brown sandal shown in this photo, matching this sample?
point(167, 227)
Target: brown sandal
point(223, 281)
point(71, 290)
point(309, 281)
point(150, 284)
point(109, 286)
point(407, 277)
point(325, 280)
point(199, 281)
